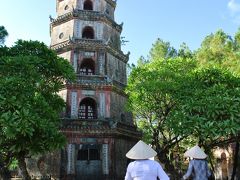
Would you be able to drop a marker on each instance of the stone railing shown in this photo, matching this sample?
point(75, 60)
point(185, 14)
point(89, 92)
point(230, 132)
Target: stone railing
point(88, 42)
point(93, 80)
point(97, 80)
point(81, 124)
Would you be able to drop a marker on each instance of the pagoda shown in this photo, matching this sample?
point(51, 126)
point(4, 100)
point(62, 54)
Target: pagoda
point(98, 128)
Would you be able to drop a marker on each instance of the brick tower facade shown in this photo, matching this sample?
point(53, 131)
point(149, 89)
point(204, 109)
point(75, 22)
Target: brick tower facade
point(98, 128)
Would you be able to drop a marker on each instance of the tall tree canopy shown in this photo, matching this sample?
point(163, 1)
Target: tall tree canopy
point(31, 75)
point(163, 50)
point(220, 49)
point(3, 35)
point(209, 106)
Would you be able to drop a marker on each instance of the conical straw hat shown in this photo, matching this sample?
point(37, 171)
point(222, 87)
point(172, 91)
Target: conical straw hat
point(141, 151)
point(195, 152)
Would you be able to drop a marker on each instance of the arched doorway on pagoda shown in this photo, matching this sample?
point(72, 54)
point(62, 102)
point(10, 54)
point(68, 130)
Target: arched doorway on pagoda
point(87, 109)
point(88, 33)
point(87, 67)
point(88, 5)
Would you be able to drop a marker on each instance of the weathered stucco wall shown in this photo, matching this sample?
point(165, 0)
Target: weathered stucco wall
point(62, 32)
point(65, 6)
point(48, 165)
point(118, 109)
point(116, 69)
point(122, 146)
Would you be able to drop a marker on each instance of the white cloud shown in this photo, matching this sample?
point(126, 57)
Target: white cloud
point(233, 6)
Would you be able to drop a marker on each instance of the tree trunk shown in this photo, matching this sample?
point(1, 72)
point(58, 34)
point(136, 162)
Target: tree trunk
point(235, 161)
point(168, 166)
point(238, 167)
point(208, 152)
point(162, 156)
point(5, 174)
point(23, 168)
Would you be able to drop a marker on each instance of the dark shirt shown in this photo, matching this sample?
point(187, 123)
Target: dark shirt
point(199, 170)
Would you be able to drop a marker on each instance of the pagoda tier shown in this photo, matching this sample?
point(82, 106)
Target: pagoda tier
point(87, 16)
point(89, 45)
point(75, 129)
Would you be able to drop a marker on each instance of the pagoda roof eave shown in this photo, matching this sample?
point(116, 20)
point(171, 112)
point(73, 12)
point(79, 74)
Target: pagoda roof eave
point(88, 44)
point(87, 16)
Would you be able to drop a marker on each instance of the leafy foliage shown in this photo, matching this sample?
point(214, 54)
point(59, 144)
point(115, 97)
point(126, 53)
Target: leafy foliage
point(220, 49)
point(210, 110)
point(162, 49)
point(31, 75)
point(3, 35)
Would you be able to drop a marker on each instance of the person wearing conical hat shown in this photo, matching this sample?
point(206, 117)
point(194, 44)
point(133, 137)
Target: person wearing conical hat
point(143, 168)
point(198, 166)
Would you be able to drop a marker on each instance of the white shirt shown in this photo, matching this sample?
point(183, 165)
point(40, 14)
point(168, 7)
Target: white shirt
point(145, 170)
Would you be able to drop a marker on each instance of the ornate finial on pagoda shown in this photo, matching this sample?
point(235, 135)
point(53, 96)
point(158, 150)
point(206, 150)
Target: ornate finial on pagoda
point(75, 12)
point(71, 39)
point(108, 41)
point(51, 19)
point(108, 79)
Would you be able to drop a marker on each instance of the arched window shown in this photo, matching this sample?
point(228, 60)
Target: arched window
point(88, 5)
point(87, 109)
point(88, 33)
point(87, 67)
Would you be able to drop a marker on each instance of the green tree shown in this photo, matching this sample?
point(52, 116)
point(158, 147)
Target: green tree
point(184, 51)
point(210, 110)
point(152, 89)
point(162, 49)
point(31, 75)
point(4, 158)
point(220, 49)
point(3, 35)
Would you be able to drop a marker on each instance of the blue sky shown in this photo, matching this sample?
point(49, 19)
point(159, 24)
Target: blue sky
point(175, 21)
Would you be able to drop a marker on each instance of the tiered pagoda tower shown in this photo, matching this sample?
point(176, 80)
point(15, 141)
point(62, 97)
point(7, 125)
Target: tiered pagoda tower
point(98, 128)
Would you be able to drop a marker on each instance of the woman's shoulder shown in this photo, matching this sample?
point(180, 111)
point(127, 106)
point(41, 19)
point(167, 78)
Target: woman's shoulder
point(153, 163)
point(145, 161)
point(198, 161)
